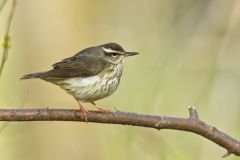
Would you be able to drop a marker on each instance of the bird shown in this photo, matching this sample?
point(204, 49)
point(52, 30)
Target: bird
point(89, 75)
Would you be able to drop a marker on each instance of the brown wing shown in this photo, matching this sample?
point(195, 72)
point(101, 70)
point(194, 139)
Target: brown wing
point(76, 66)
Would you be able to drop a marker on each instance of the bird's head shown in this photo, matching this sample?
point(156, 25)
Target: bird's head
point(112, 52)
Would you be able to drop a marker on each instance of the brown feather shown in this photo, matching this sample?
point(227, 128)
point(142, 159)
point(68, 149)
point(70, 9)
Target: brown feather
point(81, 66)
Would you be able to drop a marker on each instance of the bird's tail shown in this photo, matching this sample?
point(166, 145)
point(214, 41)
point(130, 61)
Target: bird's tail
point(33, 75)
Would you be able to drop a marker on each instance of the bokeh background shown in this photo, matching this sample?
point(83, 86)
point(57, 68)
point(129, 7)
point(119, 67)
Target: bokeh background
point(189, 56)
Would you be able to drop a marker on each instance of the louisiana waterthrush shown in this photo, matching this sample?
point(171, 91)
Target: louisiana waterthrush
point(89, 75)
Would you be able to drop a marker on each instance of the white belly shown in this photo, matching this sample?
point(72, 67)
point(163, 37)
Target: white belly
point(94, 87)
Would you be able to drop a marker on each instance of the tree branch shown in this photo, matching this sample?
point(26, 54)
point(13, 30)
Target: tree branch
point(192, 124)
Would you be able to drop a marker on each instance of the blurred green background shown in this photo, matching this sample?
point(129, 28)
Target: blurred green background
point(189, 56)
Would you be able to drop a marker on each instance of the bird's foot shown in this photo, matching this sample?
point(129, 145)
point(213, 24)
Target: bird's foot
point(84, 112)
point(103, 110)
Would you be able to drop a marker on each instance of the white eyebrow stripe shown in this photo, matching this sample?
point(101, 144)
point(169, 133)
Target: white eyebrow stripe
point(109, 50)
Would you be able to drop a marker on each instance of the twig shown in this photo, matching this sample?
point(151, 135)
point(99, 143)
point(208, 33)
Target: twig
point(6, 37)
point(2, 5)
point(5, 125)
point(191, 124)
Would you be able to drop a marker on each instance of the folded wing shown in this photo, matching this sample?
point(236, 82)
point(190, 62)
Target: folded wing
point(81, 66)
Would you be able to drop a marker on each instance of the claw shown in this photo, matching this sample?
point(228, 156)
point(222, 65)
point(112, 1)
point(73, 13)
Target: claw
point(104, 110)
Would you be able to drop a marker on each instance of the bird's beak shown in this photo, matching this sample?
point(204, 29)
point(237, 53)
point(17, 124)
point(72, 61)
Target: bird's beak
point(131, 53)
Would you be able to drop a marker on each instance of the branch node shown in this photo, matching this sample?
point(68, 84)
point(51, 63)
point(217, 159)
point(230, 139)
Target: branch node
point(193, 113)
point(157, 125)
point(213, 128)
point(226, 154)
point(48, 109)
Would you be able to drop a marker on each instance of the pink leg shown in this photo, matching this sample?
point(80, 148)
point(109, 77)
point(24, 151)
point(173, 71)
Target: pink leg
point(102, 109)
point(83, 110)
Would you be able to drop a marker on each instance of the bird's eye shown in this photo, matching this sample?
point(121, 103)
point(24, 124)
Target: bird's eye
point(114, 54)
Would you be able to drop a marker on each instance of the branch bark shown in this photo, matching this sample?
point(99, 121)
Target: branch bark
point(192, 124)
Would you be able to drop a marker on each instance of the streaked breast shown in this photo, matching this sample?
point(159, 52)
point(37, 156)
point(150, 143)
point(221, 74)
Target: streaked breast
point(94, 87)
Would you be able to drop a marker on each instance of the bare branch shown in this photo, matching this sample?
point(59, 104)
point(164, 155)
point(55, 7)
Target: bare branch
point(192, 124)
